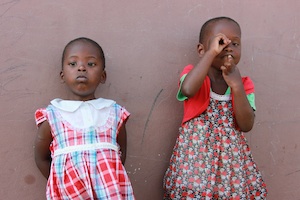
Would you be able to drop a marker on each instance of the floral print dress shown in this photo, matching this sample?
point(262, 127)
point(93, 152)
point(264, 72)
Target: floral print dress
point(211, 158)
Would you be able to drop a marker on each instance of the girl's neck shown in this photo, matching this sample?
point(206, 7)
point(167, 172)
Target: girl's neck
point(217, 82)
point(81, 98)
point(215, 75)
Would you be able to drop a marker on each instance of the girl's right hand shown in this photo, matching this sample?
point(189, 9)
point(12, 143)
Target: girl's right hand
point(218, 43)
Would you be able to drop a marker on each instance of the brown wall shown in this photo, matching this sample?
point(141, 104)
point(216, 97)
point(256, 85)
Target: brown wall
point(147, 43)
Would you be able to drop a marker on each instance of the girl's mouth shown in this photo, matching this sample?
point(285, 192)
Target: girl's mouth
point(227, 57)
point(81, 78)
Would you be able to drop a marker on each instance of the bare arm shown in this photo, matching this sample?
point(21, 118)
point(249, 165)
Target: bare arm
point(244, 113)
point(41, 150)
point(122, 141)
point(194, 79)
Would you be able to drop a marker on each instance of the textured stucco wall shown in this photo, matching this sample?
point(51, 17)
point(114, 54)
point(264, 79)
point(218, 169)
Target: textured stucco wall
point(147, 43)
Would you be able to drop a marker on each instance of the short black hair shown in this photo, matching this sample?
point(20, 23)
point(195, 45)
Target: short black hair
point(101, 53)
point(205, 27)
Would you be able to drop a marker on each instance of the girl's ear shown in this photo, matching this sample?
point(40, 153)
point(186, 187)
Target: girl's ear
point(62, 77)
point(200, 49)
point(103, 77)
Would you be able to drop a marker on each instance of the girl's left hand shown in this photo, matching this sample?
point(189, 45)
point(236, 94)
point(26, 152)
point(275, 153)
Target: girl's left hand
point(230, 72)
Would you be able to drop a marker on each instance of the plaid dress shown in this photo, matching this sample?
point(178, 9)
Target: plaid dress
point(211, 158)
point(85, 162)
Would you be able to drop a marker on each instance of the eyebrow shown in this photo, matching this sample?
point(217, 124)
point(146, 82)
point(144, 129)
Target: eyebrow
point(74, 56)
point(236, 37)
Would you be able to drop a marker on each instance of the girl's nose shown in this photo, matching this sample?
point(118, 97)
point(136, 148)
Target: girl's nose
point(228, 47)
point(81, 67)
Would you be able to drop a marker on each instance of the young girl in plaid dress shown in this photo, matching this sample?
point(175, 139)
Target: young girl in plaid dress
point(81, 142)
point(211, 158)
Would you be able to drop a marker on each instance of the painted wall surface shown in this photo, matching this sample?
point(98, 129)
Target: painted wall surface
point(147, 44)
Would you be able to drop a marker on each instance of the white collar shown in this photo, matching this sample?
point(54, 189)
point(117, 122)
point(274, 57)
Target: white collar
point(71, 106)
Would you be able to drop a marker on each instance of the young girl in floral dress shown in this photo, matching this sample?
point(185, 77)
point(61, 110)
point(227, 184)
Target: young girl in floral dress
point(81, 142)
point(211, 158)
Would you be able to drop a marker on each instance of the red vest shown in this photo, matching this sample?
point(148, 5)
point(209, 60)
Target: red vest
point(197, 104)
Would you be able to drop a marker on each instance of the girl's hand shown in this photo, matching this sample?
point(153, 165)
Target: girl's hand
point(122, 141)
point(231, 73)
point(244, 114)
point(218, 43)
point(41, 148)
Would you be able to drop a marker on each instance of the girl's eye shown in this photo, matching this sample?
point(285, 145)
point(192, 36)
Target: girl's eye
point(72, 64)
point(235, 44)
point(91, 64)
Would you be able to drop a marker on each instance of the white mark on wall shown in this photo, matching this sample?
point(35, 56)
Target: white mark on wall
point(272, 157)
point(194, 8)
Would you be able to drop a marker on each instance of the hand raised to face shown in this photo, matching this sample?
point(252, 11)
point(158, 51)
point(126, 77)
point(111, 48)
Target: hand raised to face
point(218, 43)
point(230, 72)
point(228, 64)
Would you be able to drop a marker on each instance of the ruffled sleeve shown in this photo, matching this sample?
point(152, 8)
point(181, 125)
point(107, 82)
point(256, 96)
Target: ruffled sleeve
point(40, 116)
point(186, 70)
point(123, 115)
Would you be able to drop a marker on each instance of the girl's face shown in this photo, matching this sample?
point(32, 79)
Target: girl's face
point(232, 32)
point(83, 70)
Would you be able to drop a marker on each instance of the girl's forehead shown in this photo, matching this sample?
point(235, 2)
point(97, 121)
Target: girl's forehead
point(226, 27)
point(82, 47)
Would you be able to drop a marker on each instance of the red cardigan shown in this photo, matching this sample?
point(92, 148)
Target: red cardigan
point(197, 104)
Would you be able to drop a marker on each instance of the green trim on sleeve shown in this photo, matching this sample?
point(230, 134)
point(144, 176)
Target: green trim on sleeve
point(228, 91)
point(180, 96)
point(251, 99)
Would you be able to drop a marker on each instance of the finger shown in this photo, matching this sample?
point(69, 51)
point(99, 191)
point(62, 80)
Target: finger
point(223, 40)
point(224, 70)
point(228, 62)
